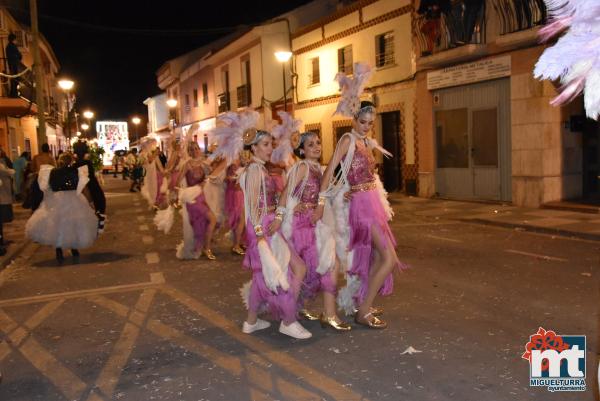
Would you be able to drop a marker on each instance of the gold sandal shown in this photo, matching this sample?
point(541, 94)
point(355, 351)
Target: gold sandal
point(335, 323)
point(374, 322)
point(209, 254)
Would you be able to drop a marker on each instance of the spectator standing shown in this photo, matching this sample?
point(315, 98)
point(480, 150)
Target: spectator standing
point(19, 166)
point(13, 58)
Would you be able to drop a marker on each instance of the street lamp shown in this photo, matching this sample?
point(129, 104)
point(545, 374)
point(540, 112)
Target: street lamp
point(172, 103)
point(136, 121)
point(85, 126)
point(88, 115)
point(283, 58)
point(66, 85)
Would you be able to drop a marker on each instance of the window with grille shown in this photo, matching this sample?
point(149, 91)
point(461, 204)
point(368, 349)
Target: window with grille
point(345, 60)
point(205, 93)
point(195, 97)
point(315, 75)
point(384, 49)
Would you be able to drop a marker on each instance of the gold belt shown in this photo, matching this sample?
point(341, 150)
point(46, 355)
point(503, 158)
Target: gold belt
point(304, 206)
point(365, 186)
point(271, 209)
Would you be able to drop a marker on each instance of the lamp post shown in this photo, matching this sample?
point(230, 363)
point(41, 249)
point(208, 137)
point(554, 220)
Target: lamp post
point(66, 85)
point(136, 121)
point(283, 57)
point(88, 115)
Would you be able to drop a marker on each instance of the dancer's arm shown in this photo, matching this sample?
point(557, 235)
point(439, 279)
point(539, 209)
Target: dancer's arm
point(253, 187)
point(300, 174)
point(340, 151)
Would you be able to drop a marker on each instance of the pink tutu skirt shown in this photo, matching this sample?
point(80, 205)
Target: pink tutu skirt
point(198, 215)
point(367, 214)
point(304, 242)
point(282, 304)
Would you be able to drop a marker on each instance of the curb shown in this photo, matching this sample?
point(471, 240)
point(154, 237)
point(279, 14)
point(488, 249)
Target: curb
point(530, 228)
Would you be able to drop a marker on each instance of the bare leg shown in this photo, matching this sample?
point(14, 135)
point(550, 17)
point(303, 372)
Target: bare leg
point(252, 317)
point(299, 270)
point(212, 222)
point(386, 260)
point(329, 298)
point(238, 232)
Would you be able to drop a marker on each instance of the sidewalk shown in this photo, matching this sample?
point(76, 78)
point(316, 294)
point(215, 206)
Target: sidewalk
point(14, 234)
point(556, 222)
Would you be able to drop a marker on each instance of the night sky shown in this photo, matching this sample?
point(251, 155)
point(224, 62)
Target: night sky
point(114, 70)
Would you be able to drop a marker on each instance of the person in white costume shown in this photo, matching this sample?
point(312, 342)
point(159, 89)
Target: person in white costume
point(65, 218)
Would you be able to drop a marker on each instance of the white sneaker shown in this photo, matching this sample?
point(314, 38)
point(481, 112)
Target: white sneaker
point(295, 330)
point(259, 325)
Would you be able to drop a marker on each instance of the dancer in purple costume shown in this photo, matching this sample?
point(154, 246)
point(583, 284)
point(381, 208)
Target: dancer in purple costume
point(199, 216)
point(311, 239)
point(357, 189)
point(234, 207)
point(274, 286)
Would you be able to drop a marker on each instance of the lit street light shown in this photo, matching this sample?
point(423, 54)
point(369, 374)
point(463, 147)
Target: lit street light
point(88, 115)
point(172, 103)
point(136, 121)
point(85, 126)
point(283, 58)
point(66, 85)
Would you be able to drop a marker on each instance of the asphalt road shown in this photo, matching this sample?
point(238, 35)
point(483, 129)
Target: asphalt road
point(131, 322)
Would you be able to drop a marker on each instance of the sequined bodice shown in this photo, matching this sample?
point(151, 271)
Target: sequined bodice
point(312, 187)
point(231, 170)
point(195, 174)
point(273, 191)
point(362, 167)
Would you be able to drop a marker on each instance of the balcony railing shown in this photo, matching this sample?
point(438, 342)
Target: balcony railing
point(243, 96)
point(223, 102)
point(460, 25)
point(521, 15)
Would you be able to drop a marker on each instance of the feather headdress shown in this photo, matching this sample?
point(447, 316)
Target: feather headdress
point(284, 134)
point(352, 88)
point(231, 132)
point(575, 58)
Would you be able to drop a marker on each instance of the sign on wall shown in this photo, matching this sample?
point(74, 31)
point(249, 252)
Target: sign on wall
point(477, 71)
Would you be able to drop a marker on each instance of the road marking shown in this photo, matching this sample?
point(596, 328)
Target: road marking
point(141, 218)
point(152, 258)
point(146, 239)
point(537, 256)
point(109, 377)
point(82, 293)
point(65, 380)
point(257, 372)
point(284, 361)
point(443, 238)
point(144, 227)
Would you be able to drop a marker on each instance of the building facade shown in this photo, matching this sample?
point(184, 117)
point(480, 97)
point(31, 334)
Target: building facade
point(378, 33)
point(485, 128)
point(18, 119)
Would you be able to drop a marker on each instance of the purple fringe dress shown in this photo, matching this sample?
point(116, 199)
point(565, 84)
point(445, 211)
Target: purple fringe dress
point(234, 197)
point(282, 305)
point(366, 214)
point(304, 239)
point(198, 210)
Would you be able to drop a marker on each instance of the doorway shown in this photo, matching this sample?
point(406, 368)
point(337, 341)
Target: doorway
point(472, 141)
point(392, 167)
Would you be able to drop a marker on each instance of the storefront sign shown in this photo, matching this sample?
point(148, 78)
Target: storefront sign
point(468, 73)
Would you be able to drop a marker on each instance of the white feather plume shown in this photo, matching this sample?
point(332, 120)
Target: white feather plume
point(282, 133)
point(575, 58)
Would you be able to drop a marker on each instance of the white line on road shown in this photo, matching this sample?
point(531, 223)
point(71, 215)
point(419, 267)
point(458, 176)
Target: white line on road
point(152, 258)
point(156, 279)
point(141, 218)
point(443, 238)
point(146, 239)
point(144, 227)
point(537, 256)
